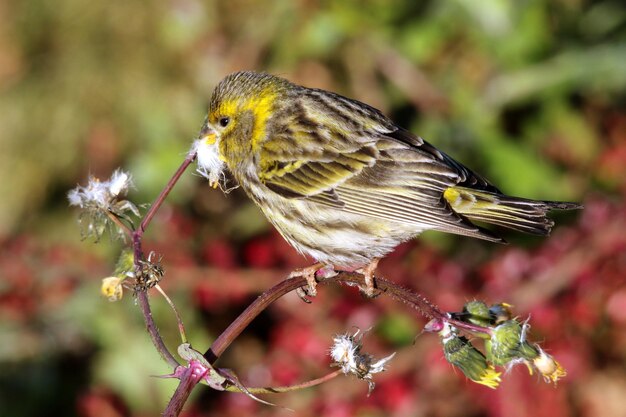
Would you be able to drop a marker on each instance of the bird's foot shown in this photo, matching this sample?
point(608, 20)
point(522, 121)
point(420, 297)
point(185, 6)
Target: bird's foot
point(311, 274)
point(369, 290)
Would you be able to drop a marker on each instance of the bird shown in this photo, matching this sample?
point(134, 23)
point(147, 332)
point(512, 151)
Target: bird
point(341, 182)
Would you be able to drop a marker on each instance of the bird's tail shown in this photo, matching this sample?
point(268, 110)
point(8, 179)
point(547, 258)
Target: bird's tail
point(529, 216)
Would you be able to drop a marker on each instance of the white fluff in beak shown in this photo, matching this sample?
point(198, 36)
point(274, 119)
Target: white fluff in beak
point(210, 166)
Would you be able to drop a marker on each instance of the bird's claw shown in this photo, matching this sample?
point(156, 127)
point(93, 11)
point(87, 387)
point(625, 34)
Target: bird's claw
point(308, 273)
point(369, 290)
point(303, 294)
point(312, 274)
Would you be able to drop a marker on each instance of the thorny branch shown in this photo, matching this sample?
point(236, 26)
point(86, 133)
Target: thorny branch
point(506, 338)
point(229, 335)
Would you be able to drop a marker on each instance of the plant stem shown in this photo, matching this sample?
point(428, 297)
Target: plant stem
point(179, 320)
point(418, 302)
point(250, 313)
point(120, 224)
point(144, 305)
point(188, 381)
point(303, 385)
point(191, 156)
point(142, 297)
point(397, 292)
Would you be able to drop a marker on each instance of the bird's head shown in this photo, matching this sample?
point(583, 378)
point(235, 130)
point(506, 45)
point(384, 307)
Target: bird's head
point(236, 121)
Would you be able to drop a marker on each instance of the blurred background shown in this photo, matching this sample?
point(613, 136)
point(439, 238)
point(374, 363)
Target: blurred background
point(530, 93)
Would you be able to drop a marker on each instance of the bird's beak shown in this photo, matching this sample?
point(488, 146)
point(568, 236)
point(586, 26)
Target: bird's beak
point(207, 134)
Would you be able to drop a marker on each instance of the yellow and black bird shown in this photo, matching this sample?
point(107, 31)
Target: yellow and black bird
point(341, 182)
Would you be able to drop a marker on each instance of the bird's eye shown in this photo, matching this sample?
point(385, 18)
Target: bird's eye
point(224, 121)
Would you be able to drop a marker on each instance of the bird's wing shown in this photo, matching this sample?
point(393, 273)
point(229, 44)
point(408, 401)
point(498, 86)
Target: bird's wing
point(407, 185)
point(369, 167)
point(466, 177)
point(314, 146)
point(383, 179)
point(314, 175)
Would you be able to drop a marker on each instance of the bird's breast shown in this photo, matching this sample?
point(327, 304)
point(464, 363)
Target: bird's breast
point(329, 234)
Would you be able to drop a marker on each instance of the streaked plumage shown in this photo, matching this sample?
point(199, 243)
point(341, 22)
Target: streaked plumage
point(340, 181)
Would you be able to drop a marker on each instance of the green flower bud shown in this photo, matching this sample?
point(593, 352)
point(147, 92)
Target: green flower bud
point(462, 354)
point(508, 343)
point(477, 312)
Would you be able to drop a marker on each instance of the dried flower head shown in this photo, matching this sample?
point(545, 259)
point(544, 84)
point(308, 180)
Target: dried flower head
point(149, 274)
point(100, 200)
point(346, 353)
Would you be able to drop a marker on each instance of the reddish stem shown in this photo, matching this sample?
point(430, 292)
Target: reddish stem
point(190, 378)
point(418, 302)
point(153, 331)
point(142, 297)
point(250, 313)
point(164, 193)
